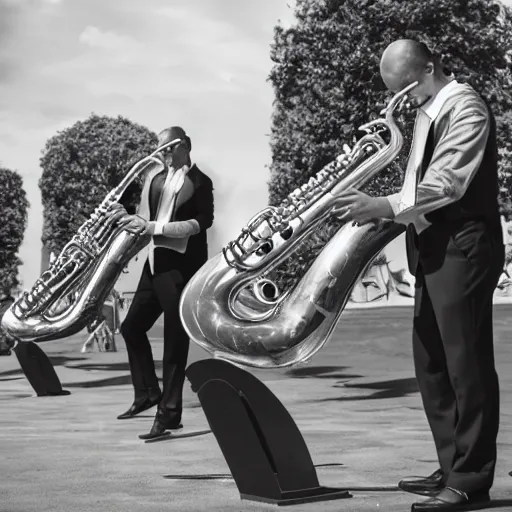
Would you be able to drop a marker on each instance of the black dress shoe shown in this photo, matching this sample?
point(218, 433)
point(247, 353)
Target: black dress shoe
point(160, 427)
point(140, 406)
point(450, 499)
point(424, 486)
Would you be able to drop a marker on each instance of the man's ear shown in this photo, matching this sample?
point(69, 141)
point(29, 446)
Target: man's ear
point(430, 68)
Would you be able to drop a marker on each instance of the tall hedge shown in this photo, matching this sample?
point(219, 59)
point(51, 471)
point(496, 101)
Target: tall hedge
point(13, 210)
point(327, 83)
point(81, 165)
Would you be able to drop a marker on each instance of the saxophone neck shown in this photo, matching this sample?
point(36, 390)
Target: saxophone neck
point(398, 101)
point(157, 157)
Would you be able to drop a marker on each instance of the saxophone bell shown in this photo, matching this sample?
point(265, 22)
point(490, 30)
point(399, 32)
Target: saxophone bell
point(70, 294)
point(240, 308)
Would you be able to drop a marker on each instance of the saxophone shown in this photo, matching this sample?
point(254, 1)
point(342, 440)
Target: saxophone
point(233, 308)
point(69, 295)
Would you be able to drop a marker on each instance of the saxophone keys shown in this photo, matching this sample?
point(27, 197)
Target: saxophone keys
point(286, 233)
point(265, 248)
point(30, 301)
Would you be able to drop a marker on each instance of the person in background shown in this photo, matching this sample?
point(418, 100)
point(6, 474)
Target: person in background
point(178, 249)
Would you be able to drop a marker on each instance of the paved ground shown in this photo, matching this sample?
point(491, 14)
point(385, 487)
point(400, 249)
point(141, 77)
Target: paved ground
point(356, 404)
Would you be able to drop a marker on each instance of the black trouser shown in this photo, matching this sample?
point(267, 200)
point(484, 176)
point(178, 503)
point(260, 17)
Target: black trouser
point(454, 354)
point(156, 294)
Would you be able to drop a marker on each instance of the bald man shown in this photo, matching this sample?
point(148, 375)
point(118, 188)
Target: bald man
point(178, 248)
point(449, 203)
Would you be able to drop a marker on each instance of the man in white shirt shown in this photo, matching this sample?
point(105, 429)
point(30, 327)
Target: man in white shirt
point(449, 203)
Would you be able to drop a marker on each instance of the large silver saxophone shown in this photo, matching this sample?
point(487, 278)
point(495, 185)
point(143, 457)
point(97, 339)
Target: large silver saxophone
point(69, 295)
point(235, 311)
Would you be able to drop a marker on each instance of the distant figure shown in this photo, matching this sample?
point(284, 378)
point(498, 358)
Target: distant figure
point(104, 333)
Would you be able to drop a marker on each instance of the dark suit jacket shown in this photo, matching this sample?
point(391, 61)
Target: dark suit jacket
point(200, 208)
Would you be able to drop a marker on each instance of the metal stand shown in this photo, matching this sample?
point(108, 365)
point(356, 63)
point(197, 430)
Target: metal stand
point(261, 443)
point(38, 369)
point(34, 363)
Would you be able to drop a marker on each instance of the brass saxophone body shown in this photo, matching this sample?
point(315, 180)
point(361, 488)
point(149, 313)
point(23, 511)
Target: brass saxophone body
point(235, 311)
point(70, 294)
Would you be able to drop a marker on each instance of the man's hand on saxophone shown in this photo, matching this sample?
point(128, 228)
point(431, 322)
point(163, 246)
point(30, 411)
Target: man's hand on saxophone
point(138, 225)
point(131, 223)
point(355, 205)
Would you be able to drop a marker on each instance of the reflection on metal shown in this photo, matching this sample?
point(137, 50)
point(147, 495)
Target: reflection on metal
point(70, 294)
point(231, 307)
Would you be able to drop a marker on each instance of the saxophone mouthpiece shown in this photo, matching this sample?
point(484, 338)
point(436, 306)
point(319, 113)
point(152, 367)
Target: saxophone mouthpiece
point(162, 149)
point(397, 102)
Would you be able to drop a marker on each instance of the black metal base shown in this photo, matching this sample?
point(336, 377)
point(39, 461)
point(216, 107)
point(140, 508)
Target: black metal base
point(260, 441)
point(301, 497)
point(38, 369)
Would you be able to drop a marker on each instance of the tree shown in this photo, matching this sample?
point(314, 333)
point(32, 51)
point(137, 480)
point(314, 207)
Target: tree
point(504, 122)
point(81, 165)
point(327, 82)
point(13, 208)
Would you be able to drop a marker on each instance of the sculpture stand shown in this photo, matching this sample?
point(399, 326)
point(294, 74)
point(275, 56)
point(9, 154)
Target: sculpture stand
point(38, 369)
point(34, 363)
point(261, 443)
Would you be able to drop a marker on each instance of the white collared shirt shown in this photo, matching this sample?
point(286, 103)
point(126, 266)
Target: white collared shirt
point(435, 104)
point(406, 198)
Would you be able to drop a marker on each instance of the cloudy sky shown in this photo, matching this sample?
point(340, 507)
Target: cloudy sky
point(199, 63)
point(202, 64)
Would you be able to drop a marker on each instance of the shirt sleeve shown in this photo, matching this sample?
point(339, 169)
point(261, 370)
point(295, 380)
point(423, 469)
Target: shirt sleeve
point(181, 228)
point(456, 159)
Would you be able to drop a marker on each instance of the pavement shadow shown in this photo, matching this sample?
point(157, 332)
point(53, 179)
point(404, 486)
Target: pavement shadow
point(55, 360)
point(104, 367)
point(110, 367)
point(14, 396)
point(497, 504)
point(396, 388)
point(87, 366)
point(322, 372)
point(120, 380)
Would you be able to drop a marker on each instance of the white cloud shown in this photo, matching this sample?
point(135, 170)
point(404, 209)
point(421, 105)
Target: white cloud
point(174, 13)
point(226, 76)
point(169, 62)
point(94, 37)
point(203, 64)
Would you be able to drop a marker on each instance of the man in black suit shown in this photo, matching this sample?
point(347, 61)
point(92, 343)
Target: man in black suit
point(449, 203)
point(176, 208)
